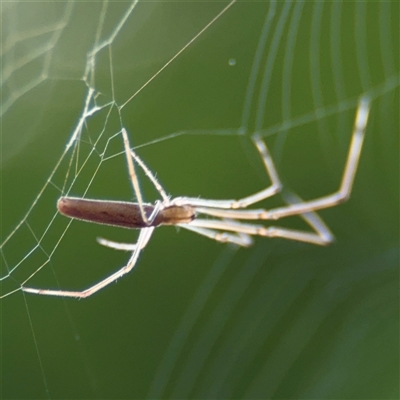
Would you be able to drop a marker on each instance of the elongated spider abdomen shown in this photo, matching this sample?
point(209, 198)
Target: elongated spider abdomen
point(116, 213)
point(123, 213)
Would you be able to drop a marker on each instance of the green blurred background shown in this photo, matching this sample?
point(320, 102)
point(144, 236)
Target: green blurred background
point(198, 319)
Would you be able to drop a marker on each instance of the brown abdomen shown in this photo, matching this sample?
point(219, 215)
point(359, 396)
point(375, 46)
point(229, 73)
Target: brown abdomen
point(117, 213)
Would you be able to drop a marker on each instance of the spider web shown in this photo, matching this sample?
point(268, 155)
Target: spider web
point(191, 82)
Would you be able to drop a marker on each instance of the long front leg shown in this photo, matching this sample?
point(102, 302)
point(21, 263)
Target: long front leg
point(344, 191)
point(225, 209)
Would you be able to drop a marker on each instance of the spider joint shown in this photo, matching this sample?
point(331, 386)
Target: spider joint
point(238, 204)
point(266, 215)
point(222, 237)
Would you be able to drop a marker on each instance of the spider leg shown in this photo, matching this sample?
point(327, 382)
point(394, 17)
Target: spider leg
point(150, 175)
point(116, 245)
point(270, 191)
point(132, 175)
point(144, 237)
point(241, 239)
point(260, 230)
point(226, 208)
point(130, 156)
point(343, 193)
point(311, 218)
point(125, 246)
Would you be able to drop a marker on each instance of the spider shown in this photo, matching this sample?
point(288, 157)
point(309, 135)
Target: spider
point(226, 226)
